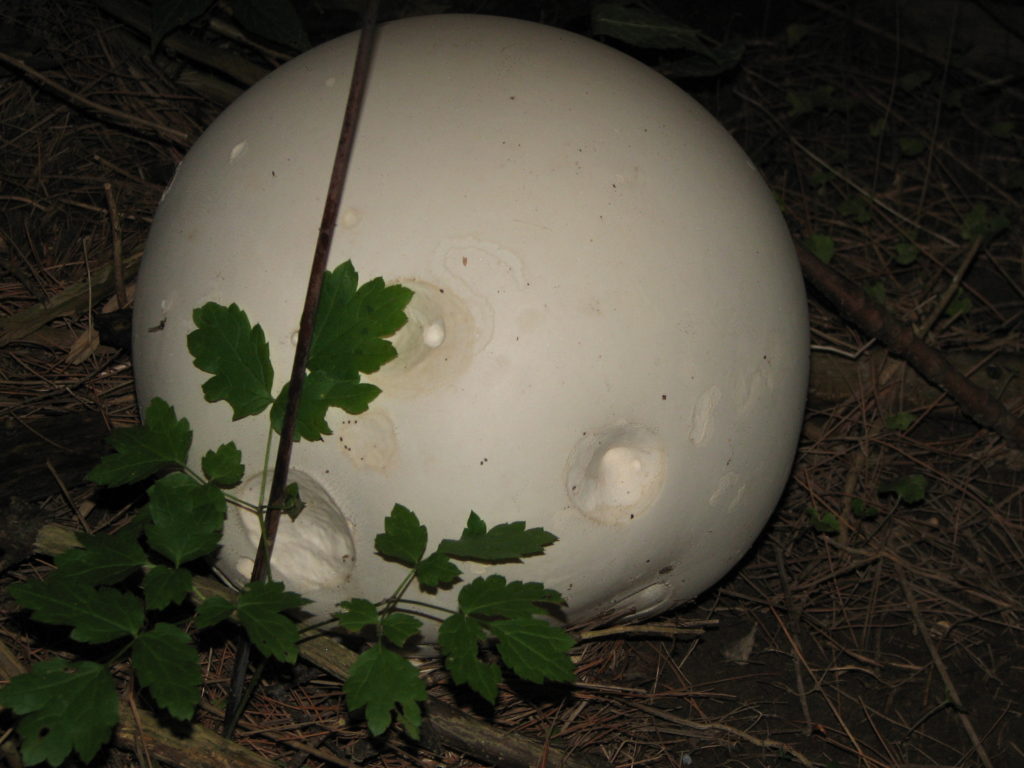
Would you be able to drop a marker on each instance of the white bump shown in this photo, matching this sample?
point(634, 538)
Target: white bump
point(433, 335)
point(349, 218)
point(238, 150)
point(329, 82)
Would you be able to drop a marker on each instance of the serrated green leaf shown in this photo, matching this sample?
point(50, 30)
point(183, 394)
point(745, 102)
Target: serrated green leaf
point(212, 611)
point(855, 208)
point(186, 518)
point(167, 664)
point(224, 466)
point(961, 303)
point(63, 706)
point(437, 570)
point(321, 391)
point(356, 614)
point(381, 681)
point(822, 246)
point(404, 538)
point(823, 521)
point(273, 19)
point(238, 356)
point(260, 610)
point(980, 222)
point(167, 15)
point(399, 627)
point(492, 596)
point(95, 615)
point(1003, 129)
point(103, 559)
point(293, 503)
point(351, 323)
point(162, 586)
point(504, 542)
point(876, 291)
point(161, 441)
point(459, 638)
point(534, 650)
point(909, 488)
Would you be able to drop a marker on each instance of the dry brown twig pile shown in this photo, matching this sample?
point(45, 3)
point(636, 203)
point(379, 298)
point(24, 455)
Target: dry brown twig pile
point(894, 640)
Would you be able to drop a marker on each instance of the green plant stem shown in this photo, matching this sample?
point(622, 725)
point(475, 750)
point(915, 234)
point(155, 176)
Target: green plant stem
point(332, 205)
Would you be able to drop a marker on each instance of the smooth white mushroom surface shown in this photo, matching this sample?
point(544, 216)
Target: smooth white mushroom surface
point(608, 336)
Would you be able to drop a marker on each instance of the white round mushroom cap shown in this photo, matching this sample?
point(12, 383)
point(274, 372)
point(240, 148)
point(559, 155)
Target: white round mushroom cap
point(608, 336)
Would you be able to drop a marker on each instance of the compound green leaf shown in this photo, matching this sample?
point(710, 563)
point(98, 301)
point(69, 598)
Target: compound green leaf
point(381, 681)
point(186, 518)
point(163, 586)
point(260, 610)
point(534, 650)
point(437, 570)
point(212, 611)
point(504, 542)
point(320, 392)
point(167, 664)
point(459, 638)
point(103, 559)
point(399, 627)
point(94, 615)
point(162, 441)
point(351, 323)
point(357, 614)
point(492, 596)
point(63, 706)
point(404, 538)
point(238, 356)
point(224, 466)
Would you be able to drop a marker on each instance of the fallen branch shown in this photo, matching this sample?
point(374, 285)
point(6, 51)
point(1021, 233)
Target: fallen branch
point(860, 309)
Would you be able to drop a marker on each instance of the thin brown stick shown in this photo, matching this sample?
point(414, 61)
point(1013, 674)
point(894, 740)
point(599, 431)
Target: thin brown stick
point(115, 228)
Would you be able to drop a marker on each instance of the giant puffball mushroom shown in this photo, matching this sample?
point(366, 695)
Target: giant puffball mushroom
point(608, 336)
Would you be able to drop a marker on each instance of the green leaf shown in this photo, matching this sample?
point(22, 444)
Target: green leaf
point(459, 638)
point(534, 650)
point(644, 28)
point(381, 681)
point(980, 222)
point(909, 488)
point(900, 422)
point(162, 586)
point(876, 291)
point(912, 146)
point(437, 570)
point(504, 542)
point(167, 15)
point(95, 615)
point(103, 559)
point(914, 80)
point(856, 208)
point(212, 611)
point(399, 627)
point(796, 32)
point(492, 596)
point(823, 521)
point(356, 614)
point(293, 503)
point(822, 246)
point(273, 19)
point(63, 706)
point(185, 518)
point(404, 538)
point(321, 391)
point(237, 355)
point(162, 441)
point(960, 304)
point(350, 324)
point(862, 511)
point(1003, 129)
point(224, 467)
point(260, 610)
point(167, 664)
point(905, 254)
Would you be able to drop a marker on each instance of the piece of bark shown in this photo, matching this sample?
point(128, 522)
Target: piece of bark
point(445, 725)
point(855, 305)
